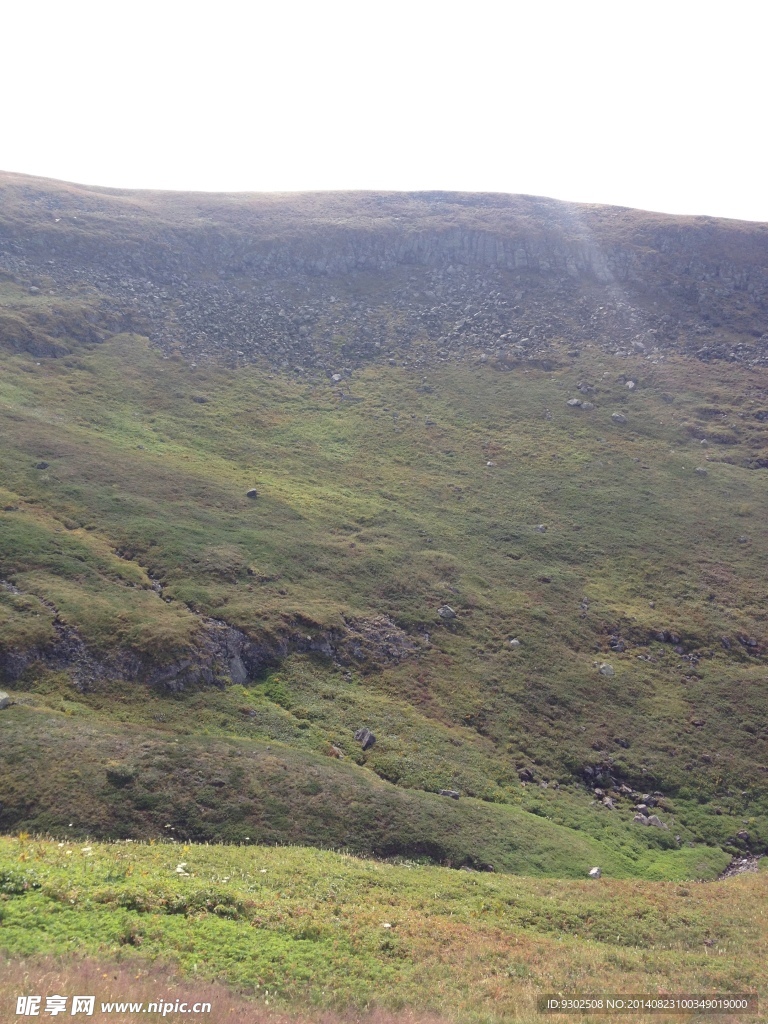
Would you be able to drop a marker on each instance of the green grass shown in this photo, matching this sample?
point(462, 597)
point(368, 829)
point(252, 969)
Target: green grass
point(309, 926)
point(123, 781)
point(361, 514)
point(130, 556)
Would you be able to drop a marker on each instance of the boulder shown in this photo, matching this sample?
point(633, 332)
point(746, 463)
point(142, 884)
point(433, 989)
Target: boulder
point(606, 669)
point(452, 793)
point(5, 700)
point(595, 872)
point(446, 612)
point(618, 417)
point(656, 820)
point(365, 738)
point(253, 493)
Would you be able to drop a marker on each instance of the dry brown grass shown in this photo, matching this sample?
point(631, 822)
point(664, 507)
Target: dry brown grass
point(115, 983)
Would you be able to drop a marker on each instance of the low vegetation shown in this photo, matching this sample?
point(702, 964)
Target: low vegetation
point(298, 927)
point(272, 475)
point(137, 535)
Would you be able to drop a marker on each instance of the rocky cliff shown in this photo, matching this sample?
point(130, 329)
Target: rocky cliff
point(316, 280)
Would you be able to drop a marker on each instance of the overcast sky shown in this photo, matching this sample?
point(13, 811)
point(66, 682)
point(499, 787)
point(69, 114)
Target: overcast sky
point(658, 105)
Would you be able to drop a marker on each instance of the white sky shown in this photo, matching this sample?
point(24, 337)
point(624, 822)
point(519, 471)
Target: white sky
point(658, 105)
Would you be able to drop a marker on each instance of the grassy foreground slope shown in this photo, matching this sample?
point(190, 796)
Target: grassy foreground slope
point(315, 929)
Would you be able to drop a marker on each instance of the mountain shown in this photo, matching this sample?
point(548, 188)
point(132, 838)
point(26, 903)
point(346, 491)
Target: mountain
point(483, 475)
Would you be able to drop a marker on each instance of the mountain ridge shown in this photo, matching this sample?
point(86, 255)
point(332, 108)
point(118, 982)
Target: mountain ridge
point(708, 278)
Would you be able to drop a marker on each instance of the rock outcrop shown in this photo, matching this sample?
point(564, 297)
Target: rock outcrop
point(297, 281)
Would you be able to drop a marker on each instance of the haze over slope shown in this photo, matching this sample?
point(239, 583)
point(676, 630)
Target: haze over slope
point(550, 418)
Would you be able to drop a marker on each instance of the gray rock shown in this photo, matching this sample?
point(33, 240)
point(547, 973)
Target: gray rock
point(365, 738)
point(574, 402)
point(618, 417)
point(41, 465)
point(656, 820)
point(640, 819)
point(253, 493)
point(452, 793)
point(541, 528)
point(5, 700)
point(630, 385)
point(446, 612)
point(701, 471)
point(237, 670)
point(606, 669)
point(607, 802)
point(586, 406)
point(595, 872)
point(514, 643)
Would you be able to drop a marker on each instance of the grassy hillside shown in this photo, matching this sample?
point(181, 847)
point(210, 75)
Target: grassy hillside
point(482, 475)
point(590, 541)
point(305, 928)
point(508, 511)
